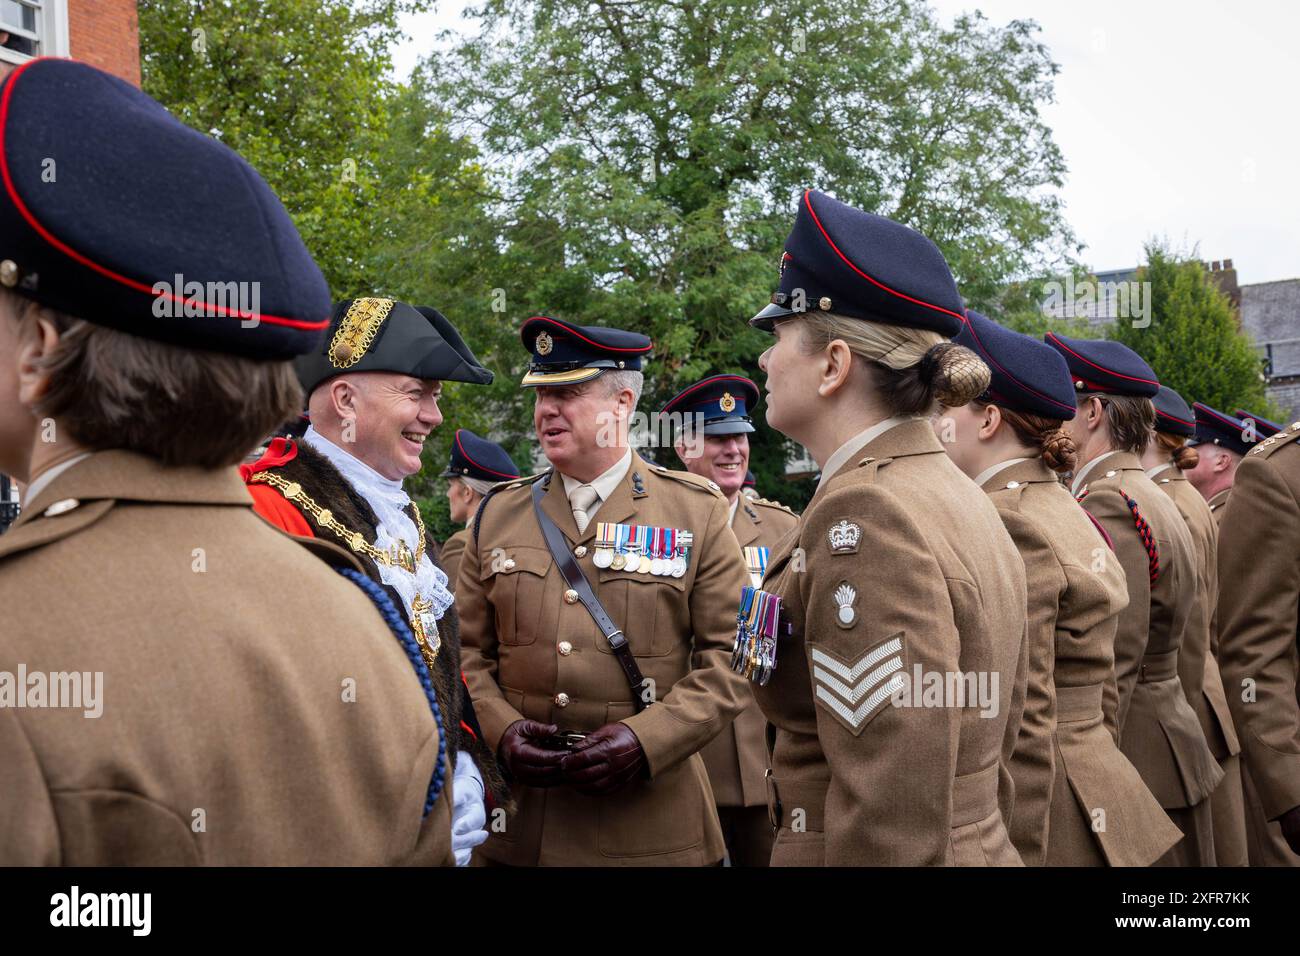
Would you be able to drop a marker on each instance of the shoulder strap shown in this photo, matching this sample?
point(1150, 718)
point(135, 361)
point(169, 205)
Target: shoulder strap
point(577, 581)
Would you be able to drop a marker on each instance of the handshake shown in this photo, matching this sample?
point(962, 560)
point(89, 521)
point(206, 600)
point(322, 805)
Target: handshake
point(603, 762)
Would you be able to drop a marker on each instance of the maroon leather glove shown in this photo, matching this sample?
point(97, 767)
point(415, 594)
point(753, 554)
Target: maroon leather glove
point(531, 765)
point(608, 760)
point(1290, 822)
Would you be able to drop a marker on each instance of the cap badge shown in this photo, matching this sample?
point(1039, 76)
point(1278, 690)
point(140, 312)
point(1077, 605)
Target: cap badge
point(357, 331)
point(728, 403)
point(544, 343)
point(844, 537)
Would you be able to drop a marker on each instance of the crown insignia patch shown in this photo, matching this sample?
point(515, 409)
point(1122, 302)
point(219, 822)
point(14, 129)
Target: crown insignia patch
point(845, 537)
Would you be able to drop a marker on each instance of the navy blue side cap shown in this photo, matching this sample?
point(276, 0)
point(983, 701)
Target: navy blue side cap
point(475, 457)
point(1101, 365)
point(1173, 415)
point(853, 263)
point(1027, 375)
point(114, 211)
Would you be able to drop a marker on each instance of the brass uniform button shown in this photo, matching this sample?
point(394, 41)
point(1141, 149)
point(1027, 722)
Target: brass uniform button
point(580, 551)
point(509, 564)
point(570, 596)
point(565, 648)
point(60, 507)
point(561, 700)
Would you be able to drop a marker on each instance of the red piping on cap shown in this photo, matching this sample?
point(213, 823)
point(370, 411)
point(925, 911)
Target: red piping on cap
point(710, 381)
point(1100, 368)
point(574, 332)
point(476, 464)
point(1034, 392)
point(88, 263)
point(880, 285)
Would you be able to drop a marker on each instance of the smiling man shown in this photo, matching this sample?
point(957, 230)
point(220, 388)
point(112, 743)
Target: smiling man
point(600, 726)
point(712, 419)
point(373, 401)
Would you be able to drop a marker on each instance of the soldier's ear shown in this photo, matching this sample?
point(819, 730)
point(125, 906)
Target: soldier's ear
point(990, 417)
point(38, 339)
point(837, 359)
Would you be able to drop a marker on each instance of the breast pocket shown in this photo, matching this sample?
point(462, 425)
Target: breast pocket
point(517, 585)
point(651, 610)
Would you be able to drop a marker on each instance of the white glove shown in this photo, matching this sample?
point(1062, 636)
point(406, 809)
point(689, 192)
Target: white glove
point(469, 812)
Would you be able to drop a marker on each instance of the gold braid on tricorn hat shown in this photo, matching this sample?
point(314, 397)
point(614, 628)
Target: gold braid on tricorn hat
point(357, 331)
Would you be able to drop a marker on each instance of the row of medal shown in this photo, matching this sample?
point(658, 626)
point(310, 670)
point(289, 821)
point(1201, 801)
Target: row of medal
point(642, 549)
point(758, 622)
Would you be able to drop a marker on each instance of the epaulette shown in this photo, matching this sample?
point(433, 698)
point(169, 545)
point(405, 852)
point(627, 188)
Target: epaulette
point(504, 486)
point(1274, 442)
point(686, 478)
point(773, 504)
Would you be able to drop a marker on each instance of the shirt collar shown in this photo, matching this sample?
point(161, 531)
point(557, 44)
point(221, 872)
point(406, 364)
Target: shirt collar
point(1152, 472)
point(42, 481)
point(857, 442)
point(989, 472)
point(605, 483)
point(1086, 471)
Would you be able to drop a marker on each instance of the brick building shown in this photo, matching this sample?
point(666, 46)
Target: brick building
point(103, 33)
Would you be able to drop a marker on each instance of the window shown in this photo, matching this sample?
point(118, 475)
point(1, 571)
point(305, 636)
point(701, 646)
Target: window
point(31, 28)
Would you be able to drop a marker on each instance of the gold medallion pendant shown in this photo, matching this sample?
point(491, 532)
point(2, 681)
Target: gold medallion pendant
point(423, 623)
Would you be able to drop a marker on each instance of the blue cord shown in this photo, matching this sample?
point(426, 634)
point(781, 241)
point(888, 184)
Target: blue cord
point(402, 631)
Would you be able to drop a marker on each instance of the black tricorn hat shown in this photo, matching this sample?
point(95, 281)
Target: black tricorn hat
point(384, 335)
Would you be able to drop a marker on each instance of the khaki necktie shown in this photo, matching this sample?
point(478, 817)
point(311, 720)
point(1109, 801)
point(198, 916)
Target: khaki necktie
point(582, 500)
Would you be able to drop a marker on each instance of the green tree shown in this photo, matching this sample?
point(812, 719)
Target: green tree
point(1193, 341)
point(302, 89)
point(647, 157)
point(387, 200)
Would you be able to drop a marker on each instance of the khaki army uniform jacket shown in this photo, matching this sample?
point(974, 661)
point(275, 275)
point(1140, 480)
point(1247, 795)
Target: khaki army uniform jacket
point(737, 758)
point(530, 652)
point(450, 553)
point(1069, 774)
point(900, 567)
point(1157, 729)
point(1259, 590)
point(256, 709)
point(1198, 670)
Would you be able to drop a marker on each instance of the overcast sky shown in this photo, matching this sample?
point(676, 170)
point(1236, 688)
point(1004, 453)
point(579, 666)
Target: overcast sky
point(1178, 118)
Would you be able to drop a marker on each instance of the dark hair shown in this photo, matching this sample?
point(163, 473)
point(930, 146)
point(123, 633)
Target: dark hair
point(1131, 419)
point(1176, 447)
point(182, 406)
point(1047, 435)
